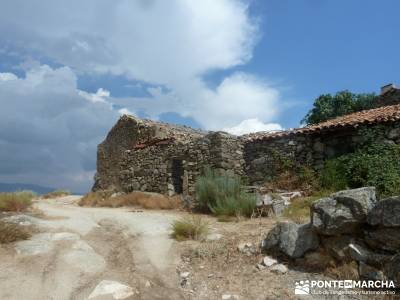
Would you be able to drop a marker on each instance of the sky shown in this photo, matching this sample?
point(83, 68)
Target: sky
point(70, 69)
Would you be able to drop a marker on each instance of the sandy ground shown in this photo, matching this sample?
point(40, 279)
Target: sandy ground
point(126, 253)
point(80, 247)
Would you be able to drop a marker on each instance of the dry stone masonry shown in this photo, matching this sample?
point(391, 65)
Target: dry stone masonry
point(157, 157)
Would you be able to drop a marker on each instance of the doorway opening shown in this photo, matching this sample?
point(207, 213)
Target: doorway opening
point(177, 175)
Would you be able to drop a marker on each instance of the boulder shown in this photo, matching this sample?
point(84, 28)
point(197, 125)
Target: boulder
point(360, 201)
point(330, 217)
point(387, 239)
point(369, 273)
point(338, 246)
point(385, 213)
point(393, 269)
point(291, 239)
point(358, 252)
point(343, 212)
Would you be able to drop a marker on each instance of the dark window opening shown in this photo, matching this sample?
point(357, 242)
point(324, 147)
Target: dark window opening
point(177, 175)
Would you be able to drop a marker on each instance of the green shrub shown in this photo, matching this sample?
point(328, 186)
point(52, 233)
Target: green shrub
point(223, 195)
point(376, 164)
point(333, 175)
point(17, 201)
point(191, 227)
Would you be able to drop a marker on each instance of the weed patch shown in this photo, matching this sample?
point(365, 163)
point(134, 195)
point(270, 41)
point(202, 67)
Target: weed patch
point(192, 227)
point(10, 232)
point(56, 194)
point(145, 200)
point(17, 201)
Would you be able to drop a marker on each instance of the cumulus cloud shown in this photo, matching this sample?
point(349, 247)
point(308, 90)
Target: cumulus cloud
point(49, 130)
point(252, 125)
point(169, 45)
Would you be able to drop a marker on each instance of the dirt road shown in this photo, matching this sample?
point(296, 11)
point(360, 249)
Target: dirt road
point(82, 253)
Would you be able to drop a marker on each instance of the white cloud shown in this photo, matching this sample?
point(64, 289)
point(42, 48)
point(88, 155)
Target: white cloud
point(252, 125)
point(100, 96)
point(7, 76)
point(49, 130)
point(172, 45)
point(153, 40)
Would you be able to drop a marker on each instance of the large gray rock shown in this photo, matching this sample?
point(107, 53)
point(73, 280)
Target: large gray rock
point(393, 269)
point(291, 239)
point(385, 213)
point(387, 239)
point(343, 212)
point(369, 273)
point(360, 201)
point(338, 246)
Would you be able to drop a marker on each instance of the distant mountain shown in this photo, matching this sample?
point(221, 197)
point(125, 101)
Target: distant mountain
point(12, 187)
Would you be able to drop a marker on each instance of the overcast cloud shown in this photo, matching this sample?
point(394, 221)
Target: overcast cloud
point(49, 129)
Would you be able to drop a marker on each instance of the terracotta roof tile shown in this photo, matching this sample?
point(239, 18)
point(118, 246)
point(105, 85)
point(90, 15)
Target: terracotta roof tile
point(371, 116)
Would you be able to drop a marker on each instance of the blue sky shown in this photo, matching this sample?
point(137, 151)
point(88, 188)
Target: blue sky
point(68, 70)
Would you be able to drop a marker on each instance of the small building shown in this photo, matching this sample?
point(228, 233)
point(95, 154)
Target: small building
point(158, 157)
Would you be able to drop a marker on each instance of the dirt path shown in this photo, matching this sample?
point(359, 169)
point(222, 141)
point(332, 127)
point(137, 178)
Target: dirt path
point(79, 248)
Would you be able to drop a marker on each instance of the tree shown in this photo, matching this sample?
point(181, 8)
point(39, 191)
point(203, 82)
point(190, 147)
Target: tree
point(329, 106)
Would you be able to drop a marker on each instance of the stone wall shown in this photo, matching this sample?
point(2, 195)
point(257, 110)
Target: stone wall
point(264, 157)
point(155, 157)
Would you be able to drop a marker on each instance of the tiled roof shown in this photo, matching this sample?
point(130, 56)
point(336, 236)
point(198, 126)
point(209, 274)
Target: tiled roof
point(371, 116)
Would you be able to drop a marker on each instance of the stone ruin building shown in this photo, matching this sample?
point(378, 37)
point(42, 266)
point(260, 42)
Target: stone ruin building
point(158, 157)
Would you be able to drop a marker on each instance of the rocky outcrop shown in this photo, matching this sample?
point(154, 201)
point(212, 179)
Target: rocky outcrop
point(386, 213)
point(352, 226)
point(343, 212)
point(292, 239)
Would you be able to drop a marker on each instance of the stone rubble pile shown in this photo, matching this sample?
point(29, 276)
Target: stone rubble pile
point(350, 225)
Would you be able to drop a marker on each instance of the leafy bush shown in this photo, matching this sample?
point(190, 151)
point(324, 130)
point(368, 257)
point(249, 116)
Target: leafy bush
point(291, 175)
point(17, 201)
point(376, 164)
point(56, 194)
point(223, 195)
point(192, 227)
point(331, 106)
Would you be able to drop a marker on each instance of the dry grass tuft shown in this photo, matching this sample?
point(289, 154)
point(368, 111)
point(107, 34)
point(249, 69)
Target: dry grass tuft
point(10, 232)
point(346, 271)
point(190, 228)
point(299, 210)
point(17, 201)
point(143, 199)
point(56, 194)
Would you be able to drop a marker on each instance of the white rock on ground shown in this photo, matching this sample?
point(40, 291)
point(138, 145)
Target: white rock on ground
point(116, 289)
point(269, 261)
point(214, 237)
point(279, 269)
point(185, 275)
point(229, 297)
